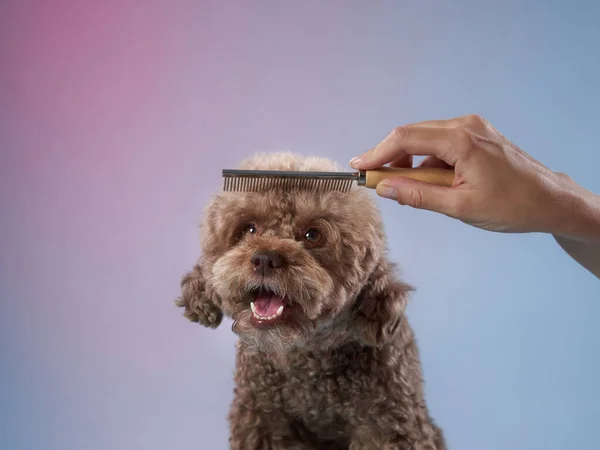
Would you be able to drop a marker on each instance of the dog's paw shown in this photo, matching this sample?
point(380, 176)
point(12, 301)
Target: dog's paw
point(198, 301)
point(208, 314)
point(201, 310)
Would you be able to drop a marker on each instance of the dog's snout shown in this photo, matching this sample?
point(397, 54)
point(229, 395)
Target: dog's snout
point(265, 261)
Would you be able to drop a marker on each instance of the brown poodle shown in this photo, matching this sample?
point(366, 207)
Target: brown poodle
point(325, 357)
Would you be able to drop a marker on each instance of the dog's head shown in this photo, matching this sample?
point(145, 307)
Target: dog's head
point(289, 265)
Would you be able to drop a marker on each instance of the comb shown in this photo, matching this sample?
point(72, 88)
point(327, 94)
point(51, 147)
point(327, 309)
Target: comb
point(259, 180)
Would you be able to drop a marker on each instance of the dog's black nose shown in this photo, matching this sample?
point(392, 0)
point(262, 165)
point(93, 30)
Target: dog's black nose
point(264, 261)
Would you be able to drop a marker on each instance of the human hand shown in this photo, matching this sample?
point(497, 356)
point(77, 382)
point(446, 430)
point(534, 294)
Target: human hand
point(497, 186)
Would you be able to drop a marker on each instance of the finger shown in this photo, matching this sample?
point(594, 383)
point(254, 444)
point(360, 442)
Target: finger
point(419, 195)
point(472, 122)
point(447, 123)
point(405, 160)
point(432, 161)
point(443, 143)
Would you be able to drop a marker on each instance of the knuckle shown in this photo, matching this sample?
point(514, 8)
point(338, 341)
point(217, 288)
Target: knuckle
point(475, 121)
point(399, 133)
point(563, 176)
point(416, 199)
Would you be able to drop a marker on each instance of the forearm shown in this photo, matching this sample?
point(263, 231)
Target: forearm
point(578, 230)
point(586, 254)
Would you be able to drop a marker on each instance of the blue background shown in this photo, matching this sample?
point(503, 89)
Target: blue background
point(116, 119)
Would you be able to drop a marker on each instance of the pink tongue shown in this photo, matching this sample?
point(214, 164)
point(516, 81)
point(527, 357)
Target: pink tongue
point(267, 303)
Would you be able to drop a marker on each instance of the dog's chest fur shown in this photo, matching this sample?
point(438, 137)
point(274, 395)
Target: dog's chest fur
point(324, 392)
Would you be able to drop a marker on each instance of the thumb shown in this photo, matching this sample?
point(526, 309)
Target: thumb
point(418, 194)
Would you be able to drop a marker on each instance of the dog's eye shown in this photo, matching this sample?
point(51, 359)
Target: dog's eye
point(312, 235)
point(250, 228)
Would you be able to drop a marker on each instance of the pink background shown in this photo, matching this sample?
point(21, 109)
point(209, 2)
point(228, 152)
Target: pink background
point(116, 119)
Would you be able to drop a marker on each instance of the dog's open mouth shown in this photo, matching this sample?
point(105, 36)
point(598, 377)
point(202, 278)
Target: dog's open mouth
point(267, 308)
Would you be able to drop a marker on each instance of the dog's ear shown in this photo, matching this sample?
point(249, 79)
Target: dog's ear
point(381, 305)
point(199, 303)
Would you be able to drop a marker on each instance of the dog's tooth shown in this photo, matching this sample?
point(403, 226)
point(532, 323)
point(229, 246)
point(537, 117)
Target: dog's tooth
point(259, 316)
point(279, 311)
point(252, 307)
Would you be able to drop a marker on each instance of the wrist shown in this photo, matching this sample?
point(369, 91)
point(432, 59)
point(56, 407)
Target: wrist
point(575, 211)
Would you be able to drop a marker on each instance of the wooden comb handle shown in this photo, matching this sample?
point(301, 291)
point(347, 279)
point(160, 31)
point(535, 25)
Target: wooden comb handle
point(432, 175)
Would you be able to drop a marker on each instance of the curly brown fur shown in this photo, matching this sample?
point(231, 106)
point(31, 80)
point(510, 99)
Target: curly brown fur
point(340, 368)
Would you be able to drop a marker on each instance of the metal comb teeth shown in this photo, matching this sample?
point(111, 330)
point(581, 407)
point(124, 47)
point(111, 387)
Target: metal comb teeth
point(260, 180)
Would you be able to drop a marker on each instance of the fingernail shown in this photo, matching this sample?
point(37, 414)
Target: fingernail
point(386, 191)
point(355, 160)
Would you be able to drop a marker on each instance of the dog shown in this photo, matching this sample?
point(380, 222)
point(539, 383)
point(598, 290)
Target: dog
point(325, 357)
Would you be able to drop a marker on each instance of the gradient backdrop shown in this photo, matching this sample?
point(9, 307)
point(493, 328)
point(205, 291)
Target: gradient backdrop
point(116, 119)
